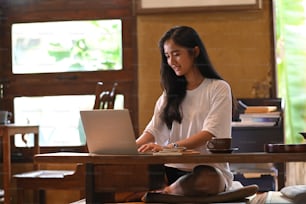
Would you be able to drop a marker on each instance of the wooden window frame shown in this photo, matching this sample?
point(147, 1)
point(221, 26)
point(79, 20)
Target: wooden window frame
point(66, 83)
point(166, 6)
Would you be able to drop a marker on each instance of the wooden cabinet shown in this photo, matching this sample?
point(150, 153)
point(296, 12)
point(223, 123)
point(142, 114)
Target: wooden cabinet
point(253, 139)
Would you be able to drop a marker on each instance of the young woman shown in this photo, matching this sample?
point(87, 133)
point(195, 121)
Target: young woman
point(196, 105)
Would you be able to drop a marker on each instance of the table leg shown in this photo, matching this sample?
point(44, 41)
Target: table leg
point(36, 148)
point(91, 195)
point(89, 183)
point(6, 166)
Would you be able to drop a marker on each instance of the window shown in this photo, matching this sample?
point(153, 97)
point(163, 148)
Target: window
point(66, 46)
point(56, 116)
point(291, 65)
point(62, 46)
point(94, 41)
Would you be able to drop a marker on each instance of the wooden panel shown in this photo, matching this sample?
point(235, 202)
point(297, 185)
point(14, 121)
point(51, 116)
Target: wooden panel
point(239, 43)
point(124, 178)
point(161, 6)
point(118, 178)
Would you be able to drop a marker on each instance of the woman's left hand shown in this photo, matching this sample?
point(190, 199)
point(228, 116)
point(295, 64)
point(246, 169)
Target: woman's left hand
point(150, 147)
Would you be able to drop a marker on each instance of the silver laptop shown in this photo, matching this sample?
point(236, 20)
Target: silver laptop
point(109, 131)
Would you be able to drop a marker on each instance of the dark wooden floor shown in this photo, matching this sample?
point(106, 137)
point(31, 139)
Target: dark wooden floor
point(259, 198)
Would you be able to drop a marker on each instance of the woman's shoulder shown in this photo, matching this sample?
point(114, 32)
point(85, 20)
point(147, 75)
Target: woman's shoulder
point(217, 83)
point(161, 99)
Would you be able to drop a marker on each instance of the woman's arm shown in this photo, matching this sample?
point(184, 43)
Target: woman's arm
point(144, 138)
point(146, 143)
point(194, 141)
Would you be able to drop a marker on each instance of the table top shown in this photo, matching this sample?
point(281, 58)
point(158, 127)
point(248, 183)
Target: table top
point(260, 157)
point(17, 125)
point(13, 128)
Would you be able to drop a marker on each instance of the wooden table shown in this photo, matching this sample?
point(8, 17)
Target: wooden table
point(6, 131)
point(92, 161)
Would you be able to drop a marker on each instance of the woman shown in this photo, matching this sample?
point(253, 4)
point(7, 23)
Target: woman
point(196, 106)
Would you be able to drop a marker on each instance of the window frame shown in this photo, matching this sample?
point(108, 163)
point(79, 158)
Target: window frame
point(69, 83)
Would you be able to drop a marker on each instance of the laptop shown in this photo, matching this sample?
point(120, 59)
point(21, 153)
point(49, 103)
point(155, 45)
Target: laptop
point(109, 131)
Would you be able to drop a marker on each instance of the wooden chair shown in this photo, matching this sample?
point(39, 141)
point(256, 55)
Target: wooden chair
point(41, 180)
point(105, 99)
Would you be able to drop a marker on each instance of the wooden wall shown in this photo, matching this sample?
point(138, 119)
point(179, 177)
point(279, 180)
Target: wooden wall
point(240, 44)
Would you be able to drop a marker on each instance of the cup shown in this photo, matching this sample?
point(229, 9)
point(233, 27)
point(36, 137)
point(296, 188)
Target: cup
point(5, 117)
point(220, 144)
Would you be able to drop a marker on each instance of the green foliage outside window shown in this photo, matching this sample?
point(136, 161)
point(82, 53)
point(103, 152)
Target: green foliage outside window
point(291, 65)
point(67, 46)
point(86, 52)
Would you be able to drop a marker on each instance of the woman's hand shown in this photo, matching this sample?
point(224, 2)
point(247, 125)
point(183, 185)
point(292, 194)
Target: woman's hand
point(150, 147)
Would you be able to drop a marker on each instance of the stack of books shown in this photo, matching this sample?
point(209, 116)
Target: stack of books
point(259, 116)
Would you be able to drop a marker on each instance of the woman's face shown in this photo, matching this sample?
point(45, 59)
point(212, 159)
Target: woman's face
point(178, 58)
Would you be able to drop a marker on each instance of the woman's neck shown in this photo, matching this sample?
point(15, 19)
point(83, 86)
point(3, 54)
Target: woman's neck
point(194, 79)
point(192, 84)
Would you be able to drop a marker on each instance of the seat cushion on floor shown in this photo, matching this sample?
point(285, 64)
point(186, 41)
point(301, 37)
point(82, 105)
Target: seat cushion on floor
point(229, 196)
point(296, 193)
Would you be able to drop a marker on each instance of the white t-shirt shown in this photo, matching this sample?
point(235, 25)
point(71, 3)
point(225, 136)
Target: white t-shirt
point(208, 107)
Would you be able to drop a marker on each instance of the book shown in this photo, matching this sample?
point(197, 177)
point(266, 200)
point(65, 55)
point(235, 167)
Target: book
point(253, 124)
point(260, 119)
point(275, 114)
point(260, 109)
point(270, 119)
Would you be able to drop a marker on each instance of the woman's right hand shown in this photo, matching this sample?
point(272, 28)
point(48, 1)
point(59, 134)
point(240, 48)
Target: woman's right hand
point(150, 147)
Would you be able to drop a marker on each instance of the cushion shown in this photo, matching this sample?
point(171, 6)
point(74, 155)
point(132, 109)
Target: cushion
point(297, 193)
point(228, 196)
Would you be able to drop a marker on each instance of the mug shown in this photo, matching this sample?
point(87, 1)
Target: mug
point(5, 117)
point(219, 143)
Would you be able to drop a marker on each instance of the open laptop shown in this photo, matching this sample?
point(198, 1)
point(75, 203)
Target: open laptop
point(109, 131)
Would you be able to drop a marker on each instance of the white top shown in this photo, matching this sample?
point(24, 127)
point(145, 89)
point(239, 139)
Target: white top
point(207, 107)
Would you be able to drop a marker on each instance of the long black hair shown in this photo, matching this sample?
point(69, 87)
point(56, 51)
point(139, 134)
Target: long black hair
point(176, 86)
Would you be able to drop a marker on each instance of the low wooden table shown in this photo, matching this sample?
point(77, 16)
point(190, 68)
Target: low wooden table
point(96, 161)
point(6, 131)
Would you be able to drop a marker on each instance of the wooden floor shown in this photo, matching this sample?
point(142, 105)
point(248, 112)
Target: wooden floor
point(259, 198)
point(295, 174)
